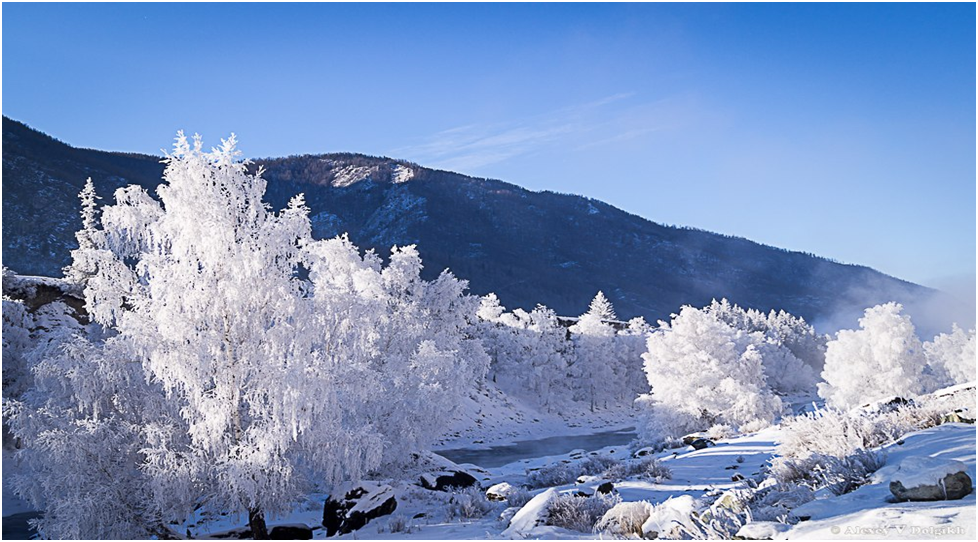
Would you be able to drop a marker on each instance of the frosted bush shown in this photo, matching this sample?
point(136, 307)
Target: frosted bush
point(518, 497)
point(468, 503)
point(839, 475)
point(561, 473)
point(649, 469)
point(655, 470)
point(720, 432)
point(579, 513)
point(552, 475)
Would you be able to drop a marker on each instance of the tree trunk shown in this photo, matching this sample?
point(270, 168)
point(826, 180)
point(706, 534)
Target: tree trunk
point(256, 520)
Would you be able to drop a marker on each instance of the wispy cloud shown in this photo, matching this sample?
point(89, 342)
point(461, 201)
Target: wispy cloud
point(470, 147)
point(620, 137)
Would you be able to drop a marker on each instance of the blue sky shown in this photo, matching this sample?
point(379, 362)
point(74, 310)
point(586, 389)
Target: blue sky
point(843, 130)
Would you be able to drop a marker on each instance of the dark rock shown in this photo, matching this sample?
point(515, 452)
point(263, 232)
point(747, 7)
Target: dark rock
point(582, 494)
point(701, 443)
point(952, 487)
point(442, 481)
point(353, 505)
point(606, 488)
point(737, 477)
point(886, 405)
point(296, 531)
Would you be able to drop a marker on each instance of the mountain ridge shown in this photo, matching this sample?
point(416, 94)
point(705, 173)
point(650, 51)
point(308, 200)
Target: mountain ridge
point(528, 247)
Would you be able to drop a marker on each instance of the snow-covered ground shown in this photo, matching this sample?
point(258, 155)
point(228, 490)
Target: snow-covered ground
point(867, 512)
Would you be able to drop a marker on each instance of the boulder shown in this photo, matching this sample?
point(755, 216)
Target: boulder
point(442, 481)
point(605, 488)
point(761, 530)
point(530, 516)
point(700, 443)
point(500, 492)
point(930, 479)
point(642, 452)
point(295, 531)
point(351, 506)
point(588, 479)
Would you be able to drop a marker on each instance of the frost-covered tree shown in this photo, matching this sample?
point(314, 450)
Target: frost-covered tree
point(793, 353)
point(258, 383)
point(31, 333)
point(882, 358)
point(84, 259)
point(528, 351)
point(952, 355)
point(602, 308)
point(413, 350)
point(595, 361)
point(703, 372)
point(630, 345)
point(17, 326)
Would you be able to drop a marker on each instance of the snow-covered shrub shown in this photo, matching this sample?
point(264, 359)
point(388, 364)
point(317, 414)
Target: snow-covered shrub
point(703, 372)
point(883, 358)
point(839, 475)
point(468, 503)
point(654, 470)
point(839, 434)
point(399, 523)
point(561, 473)
point(647, 468)
point(576, 513)
point(625, 519)
point(953, 355)
point(518, 497)
point(720, 432)
point(844, 475)
point(552, 475)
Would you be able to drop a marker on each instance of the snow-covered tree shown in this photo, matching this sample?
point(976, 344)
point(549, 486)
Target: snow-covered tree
point(952, 355)
point(703, 372)
point(780, 331)
point(602, 308)
point(882, 358)
point(17, 326)
point(257, 383)
point(84, 258)
point(528, 351)
point(630, 344)
point(595, 360)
